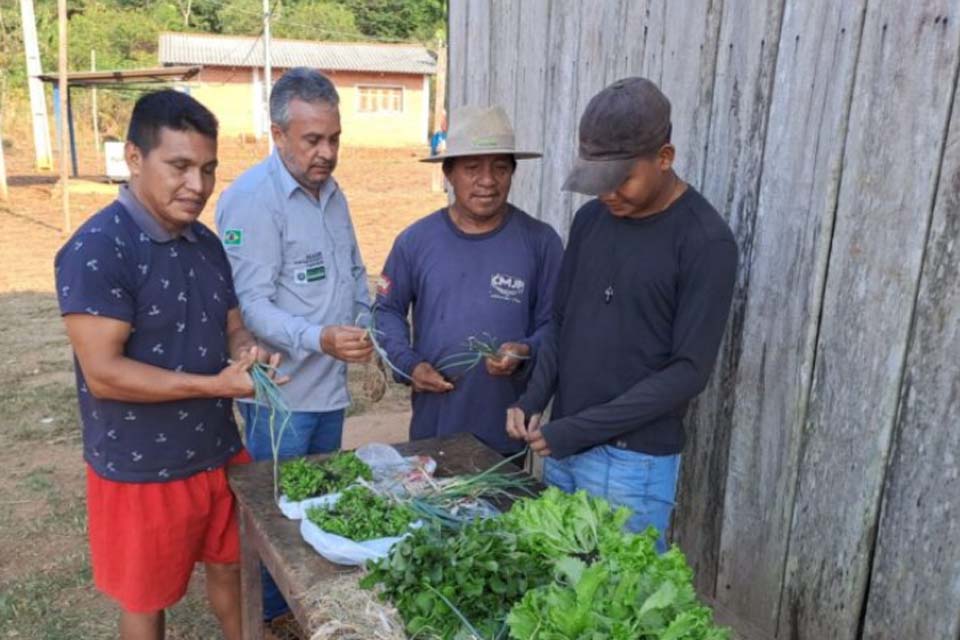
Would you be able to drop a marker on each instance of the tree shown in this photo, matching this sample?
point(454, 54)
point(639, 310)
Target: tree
point(398, 19)
point(316, 21)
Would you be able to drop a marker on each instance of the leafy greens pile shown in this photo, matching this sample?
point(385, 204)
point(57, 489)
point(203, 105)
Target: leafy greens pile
point(359, 514)
point(556, 567)
point(301, 478)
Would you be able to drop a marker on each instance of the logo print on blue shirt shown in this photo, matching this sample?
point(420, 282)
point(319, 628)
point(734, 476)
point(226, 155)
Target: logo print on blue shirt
point(504, 287)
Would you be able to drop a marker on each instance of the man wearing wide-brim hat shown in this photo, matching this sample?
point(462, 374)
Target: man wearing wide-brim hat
point(642, 303)
point(477, 274)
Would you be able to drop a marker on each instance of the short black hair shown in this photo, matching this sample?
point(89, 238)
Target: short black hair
point(171, 109)
point(449, 162)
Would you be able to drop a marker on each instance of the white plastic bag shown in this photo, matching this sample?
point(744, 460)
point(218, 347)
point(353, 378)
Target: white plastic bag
point(298, 510)
point(342, 550)
point(390, 470)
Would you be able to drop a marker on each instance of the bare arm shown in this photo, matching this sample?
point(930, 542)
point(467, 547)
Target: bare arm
point(239, 338)
point(98, 342)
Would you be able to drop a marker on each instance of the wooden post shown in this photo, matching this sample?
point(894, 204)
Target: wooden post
point(38, 103)
point(439, 107)
point(267, 66)
point(93, 110)
point(62, 72)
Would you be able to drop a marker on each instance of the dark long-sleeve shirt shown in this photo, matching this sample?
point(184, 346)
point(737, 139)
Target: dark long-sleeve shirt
point(640, 308)
point(497, 285)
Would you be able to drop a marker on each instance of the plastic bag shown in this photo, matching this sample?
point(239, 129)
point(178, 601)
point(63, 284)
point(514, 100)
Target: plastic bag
point(342, 550)
point(390, 471)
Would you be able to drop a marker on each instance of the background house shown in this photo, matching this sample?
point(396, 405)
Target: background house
point(384, 88)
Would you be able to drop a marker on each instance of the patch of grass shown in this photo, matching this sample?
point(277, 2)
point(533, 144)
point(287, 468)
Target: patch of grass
point(38, 413)
point(39, 480)
point(45, 606)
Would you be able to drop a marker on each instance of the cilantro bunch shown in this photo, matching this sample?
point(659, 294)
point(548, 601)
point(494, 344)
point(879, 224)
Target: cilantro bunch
point(360, 514)
point(301, 478)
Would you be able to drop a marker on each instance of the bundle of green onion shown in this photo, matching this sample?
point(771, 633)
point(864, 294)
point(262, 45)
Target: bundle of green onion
point(457, 365)
point(453, 366)
point(442, 499)
point(266, 393)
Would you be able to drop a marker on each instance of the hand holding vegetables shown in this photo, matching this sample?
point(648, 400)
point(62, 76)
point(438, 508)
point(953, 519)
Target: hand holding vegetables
point(507, 359)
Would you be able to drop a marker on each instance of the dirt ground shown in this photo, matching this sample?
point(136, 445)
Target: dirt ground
point(45, 585)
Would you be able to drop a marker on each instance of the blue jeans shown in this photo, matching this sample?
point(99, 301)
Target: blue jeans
point(307, 432)
point(643, 483)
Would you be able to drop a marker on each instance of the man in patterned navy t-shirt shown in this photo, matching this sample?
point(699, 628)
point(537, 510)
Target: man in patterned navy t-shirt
point(148, 302)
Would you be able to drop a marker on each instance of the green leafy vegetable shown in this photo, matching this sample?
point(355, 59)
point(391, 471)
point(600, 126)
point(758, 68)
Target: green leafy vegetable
point(360, 514)
point(301, 478)
point(629, 592)
point(560, 524)
point(447, 584)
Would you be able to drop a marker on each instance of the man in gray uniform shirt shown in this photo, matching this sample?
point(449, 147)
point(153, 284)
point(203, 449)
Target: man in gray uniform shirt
point(298, 273)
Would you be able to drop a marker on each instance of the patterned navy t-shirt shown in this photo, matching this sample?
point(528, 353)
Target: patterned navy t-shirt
point(175, 293)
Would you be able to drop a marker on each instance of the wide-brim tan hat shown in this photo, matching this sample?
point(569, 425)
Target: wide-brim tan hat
point(480, 131)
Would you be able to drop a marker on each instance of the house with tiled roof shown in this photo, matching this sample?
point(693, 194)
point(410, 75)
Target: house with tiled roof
point(384, 88)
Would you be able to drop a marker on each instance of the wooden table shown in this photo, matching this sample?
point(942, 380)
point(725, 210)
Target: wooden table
point(267, 536)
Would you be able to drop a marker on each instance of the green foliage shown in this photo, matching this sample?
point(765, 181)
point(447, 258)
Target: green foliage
point(437, 580)
point(360, 514)
point(629, 592)
point(557, 567)
point(399, 19)
point(563, 524)
point(301, 478)
point(316, 20)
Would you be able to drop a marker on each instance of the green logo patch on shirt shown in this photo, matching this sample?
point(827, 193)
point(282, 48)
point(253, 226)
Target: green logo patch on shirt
point(233, 237)
point(311, 274)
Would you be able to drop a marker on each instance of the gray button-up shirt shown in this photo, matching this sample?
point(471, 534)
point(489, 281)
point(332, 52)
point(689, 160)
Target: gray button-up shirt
point(297, 268)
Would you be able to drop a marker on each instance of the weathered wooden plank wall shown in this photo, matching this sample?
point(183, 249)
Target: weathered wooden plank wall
point(746, 56)
point(903, 92)
point(820, 489)
point(791, 243)
point(917, 558)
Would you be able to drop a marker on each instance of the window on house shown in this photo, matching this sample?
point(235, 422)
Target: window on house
point(373, 99)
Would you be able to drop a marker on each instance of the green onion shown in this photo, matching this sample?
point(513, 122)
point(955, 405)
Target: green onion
point(441, 497)
point(267, 393)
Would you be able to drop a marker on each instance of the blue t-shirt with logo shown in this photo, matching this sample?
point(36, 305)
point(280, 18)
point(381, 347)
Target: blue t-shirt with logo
point(175, 293)
point(496, 286)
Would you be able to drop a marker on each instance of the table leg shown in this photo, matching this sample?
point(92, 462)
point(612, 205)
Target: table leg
point(251, 590)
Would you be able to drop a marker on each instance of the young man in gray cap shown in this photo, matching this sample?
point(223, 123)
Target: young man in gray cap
point(478, 268)
point(640, 309)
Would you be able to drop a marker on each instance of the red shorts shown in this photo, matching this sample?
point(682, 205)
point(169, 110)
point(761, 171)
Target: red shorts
point(145, 538)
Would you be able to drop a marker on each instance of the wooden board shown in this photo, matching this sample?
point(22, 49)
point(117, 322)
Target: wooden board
point(479, 32)
point(459, 42)
point(559, 116)
point(528, 100)
point(903, 91)
point(294, 565)
point(690, 41)
point(749, 33)
point(804, 148)
point(915, 585)
point(625, 46)
point(597, 22)
point(504, 17)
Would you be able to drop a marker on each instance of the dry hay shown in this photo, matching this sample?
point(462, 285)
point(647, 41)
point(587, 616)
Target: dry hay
point(341, 610)
point(373, 384)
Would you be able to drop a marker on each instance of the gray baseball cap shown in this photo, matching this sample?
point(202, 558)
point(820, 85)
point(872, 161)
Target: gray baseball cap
point(628, 119)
